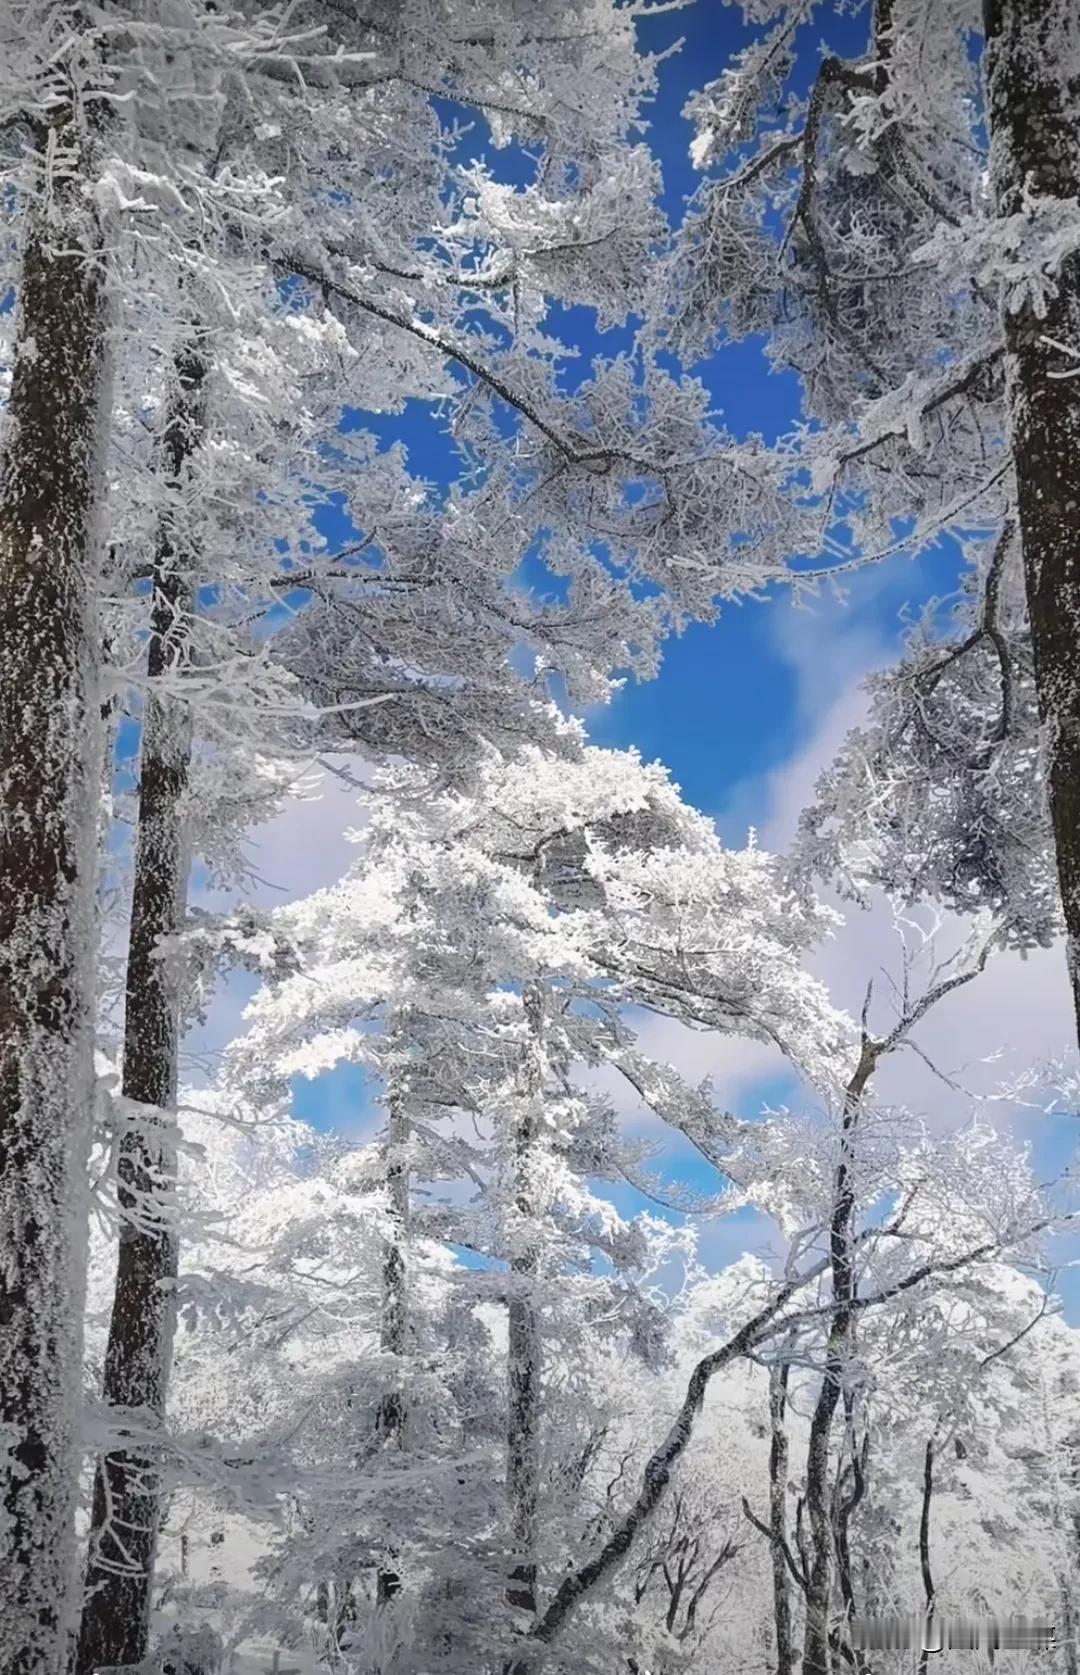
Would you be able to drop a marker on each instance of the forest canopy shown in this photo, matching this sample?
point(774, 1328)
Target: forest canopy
point(471, 1203)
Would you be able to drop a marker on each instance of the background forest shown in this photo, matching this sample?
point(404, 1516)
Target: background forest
point(539, 833)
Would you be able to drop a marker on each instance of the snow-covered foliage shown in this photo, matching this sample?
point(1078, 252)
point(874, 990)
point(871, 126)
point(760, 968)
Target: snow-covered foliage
point(305, 470)
point(941, 794)
point(286, 1504)
point(927, 294)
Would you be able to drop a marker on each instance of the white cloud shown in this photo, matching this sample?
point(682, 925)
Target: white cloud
point(306, 845)
point(303, 848)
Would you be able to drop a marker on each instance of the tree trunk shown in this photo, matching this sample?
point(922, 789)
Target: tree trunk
point(126, 1508)
point(394, 1304)
point(778, 1475)
point(523, 1462)
point(524, 1347)
point(845, 1506)
point(816, 1658)
point(1033, 96)
point(924, 1544)
point(816, 1642)
point(1067, 1637)
point(49, 788)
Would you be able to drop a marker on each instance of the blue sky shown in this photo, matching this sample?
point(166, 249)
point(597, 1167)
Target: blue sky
point(745, 710)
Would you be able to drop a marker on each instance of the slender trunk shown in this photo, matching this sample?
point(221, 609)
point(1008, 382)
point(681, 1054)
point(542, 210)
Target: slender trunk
point(816, 1659)
point(816, 1641)
point(1067, 1637)
point(392, 1411)
point(846, 1505)
point(778, 1476)
point(126, 1505)
point(49, 785)
point(523, 1465)
point(524, 1348)
point(816, 1636)
point(924, 1542)
point(1033, 96)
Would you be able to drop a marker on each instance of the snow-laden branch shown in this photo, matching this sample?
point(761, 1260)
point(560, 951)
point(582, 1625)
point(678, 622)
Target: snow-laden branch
point(770, 1321)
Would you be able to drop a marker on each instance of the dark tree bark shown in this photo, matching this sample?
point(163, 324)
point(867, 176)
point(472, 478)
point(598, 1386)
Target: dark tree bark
point(849, 1494)
point(524, 1371)
point(126, 1507)
point(778, 1476)
point(1033, 104)
point(816, 1656)
point(924, 1542)
point(49, 789)
point(522, 1440)
point(395, 1304)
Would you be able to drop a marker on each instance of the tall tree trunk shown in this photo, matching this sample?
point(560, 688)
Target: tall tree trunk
point(778, 1475)
point(49, 788)
point(924, 1543)
point(1067, 1637)
point(126, 1508)
point(816, 1641)
point(524, 1349)
point(522, 1443)
point(845, 1505)
point(1033, 98)
point(395, 1303)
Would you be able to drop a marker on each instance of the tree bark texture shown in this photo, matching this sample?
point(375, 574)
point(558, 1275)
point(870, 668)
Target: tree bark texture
point(49, 787)
point(395, 1303)
point(126, 1509)
point(778, 1475)
point(924, 1542)
point(1033, 104)
point(524, 1355)
point(816, 1640)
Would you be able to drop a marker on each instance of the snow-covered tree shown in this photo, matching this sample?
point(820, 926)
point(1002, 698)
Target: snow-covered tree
point(939, 796)
point(49, 756)
point(891, 1207)
point(929, 307)
point(518, 927)
point(248, 178)
point(479, 958)
point(248, 252)
point(1032, 56)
